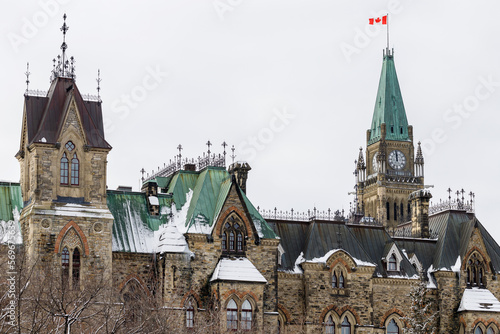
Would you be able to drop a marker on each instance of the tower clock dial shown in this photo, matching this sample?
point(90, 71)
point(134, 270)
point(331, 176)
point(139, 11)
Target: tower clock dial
point(397, 159)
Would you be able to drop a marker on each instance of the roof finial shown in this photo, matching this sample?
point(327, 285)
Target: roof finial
point(180, 149)
point(98, 85)
point(64, 46)
point(209, 144)
point(233, 155)
point(27, 73)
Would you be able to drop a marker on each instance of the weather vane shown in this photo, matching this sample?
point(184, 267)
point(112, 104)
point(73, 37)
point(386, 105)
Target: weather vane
point(27, 76)
point(99, 85)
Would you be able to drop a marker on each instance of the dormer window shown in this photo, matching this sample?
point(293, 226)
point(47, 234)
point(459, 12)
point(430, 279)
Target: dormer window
point(233, 236)
point(393, 265)
point(70, 175)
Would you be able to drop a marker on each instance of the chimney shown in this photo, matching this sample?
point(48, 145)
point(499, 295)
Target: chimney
point(240, 172)
point(420, 213)
point(190, 167)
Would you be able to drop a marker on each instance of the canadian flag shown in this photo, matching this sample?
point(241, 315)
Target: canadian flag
point(382, 20)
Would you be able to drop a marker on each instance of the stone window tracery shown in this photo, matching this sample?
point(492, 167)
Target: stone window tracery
point(233, 236)
point(69, 175)
point(338, 278)
point(346, 326)
point(246, 315)
point(70, 265)
point(329, 326)
point(392, 327)
point(475, 271)
point(189, 315)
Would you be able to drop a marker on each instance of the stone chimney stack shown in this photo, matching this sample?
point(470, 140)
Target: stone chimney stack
point(240, 170)
point(420, 213)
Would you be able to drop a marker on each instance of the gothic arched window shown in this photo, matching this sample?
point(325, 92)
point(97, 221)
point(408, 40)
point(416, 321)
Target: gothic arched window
point(401, 211)
point(65, 266)
point(346, 326)
point(190, 315)
point(490, 331)
point(392, 327)
point(233, 235)
point(341, 281)
point(392, 265)
point(70, 175)
point(75, 170)
point(395, 211)
point(478, 330)
point(64, 169)
point(232, 315)
point(387, 207)
point(475, 271)
point(246, 315)
point(329, 325)
point(76, 268)
point(334, 280)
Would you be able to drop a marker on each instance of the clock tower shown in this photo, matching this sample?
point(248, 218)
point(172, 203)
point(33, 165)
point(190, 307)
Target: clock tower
point(392, 170)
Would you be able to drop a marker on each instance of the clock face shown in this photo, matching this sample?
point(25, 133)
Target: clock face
point(375, 163)
point(397, 160)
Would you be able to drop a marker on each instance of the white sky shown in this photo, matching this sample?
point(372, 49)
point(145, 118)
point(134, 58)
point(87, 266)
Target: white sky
point(225, 74)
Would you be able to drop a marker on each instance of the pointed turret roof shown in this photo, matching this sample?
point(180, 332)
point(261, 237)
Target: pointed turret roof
point(389, 107)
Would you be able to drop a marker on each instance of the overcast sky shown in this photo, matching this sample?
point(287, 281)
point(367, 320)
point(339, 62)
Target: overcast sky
point(290, 83)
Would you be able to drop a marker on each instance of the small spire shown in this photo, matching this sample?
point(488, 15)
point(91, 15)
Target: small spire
point(420, 157)
point(64, 46)
point(209, 144)
point(99, 85)
point(361, 160)
point(232, 155)
point(180, 149)
point(224, 144)
point(27, 73)
point(142, 171)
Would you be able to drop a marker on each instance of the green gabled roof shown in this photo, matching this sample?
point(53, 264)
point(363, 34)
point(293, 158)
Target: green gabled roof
point(206, 194)
point(263, 229)
point(179, 186)
point(10, 199)
point(389, 107)
point(133, 226)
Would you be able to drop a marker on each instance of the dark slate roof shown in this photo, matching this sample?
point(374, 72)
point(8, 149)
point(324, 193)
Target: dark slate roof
point(376, 241)
point(424, 249)
point(45, 115)
point(292, 234)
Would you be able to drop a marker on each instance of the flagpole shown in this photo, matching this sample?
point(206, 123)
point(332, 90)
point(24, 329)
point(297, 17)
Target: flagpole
point(387, 33)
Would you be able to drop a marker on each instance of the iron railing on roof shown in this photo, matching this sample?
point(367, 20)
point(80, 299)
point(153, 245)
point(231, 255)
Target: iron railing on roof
point(36, 93)
point(305, 216)
point(451, 205)
point(209, 160)
point(91, 98)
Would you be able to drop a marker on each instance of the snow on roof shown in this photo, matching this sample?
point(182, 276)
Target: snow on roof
point(77, 210)
point(169, 239)
point(476, 299)
point(325, 257)
point(10, 231)
point(153, 200)
point(237, 269)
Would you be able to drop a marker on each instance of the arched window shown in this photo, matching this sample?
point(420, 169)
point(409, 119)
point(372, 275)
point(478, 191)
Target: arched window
point(76, 268)
point(478, 330)
point(190, 315)
point(75, 170)
point(401, 211)
point(346, 326)
point(392, 327)
point(246, 315)
point(341, 281)
point(490, 331)
point(334, 280)
point(65, 266)
point(392, 266)
point(329, 325)
point(387, 210)
point(233, 235)
point(70, 146)
point(476, 271)
point(232, 315)
point(64, 169)
point(395, 211)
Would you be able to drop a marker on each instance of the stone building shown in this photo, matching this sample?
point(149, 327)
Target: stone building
point(193, 240)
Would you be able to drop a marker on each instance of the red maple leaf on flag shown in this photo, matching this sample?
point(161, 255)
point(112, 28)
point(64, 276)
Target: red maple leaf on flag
point(382, 20)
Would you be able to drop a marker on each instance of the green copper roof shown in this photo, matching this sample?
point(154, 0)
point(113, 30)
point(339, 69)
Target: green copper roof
point(389, 107)
point(10, 199)
point(262, 227)
point(133, 226)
